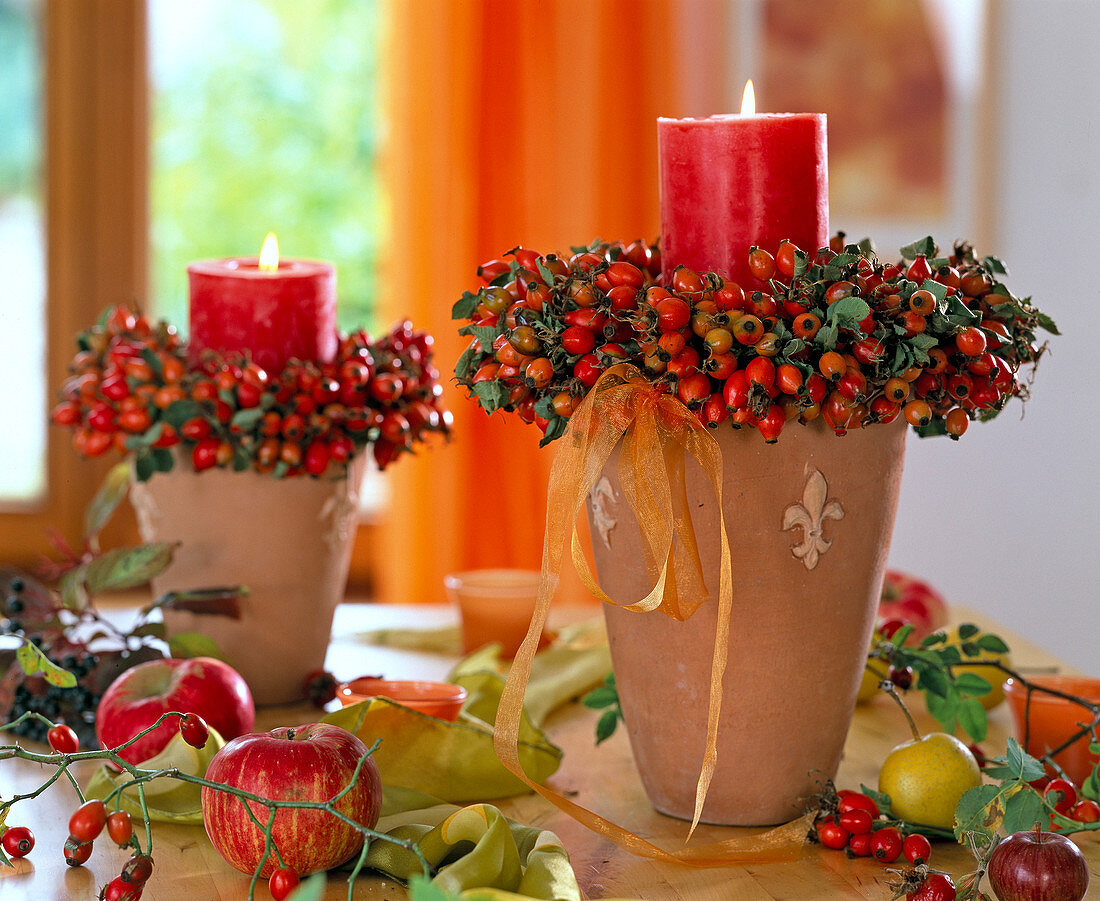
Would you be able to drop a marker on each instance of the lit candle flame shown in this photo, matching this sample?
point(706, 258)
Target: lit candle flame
point(269, 254)
point(748, 100)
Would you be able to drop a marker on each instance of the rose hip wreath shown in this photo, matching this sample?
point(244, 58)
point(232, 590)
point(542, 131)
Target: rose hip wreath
point(834, 334)
point(131, 389)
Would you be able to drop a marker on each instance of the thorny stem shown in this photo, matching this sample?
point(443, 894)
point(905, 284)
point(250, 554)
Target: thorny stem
point(892, 690)
point(139, 777)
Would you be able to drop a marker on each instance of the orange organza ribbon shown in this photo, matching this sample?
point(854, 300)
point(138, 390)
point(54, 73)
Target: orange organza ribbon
point(657, 433)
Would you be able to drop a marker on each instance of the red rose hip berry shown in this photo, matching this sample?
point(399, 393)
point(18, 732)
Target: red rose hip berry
point(18, 841)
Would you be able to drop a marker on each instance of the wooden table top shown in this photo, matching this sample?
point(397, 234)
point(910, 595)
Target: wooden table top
point(603, 779)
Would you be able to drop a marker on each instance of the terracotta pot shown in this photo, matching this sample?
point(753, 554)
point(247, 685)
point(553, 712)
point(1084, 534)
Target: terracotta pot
point(288, 540)
point(809, 522)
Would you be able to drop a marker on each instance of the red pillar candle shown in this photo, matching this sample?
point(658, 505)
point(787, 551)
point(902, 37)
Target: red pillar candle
point(729, 182)
point(271, 314)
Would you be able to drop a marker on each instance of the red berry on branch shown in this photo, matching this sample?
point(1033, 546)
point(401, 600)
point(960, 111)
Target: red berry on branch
point(194, 730)
point(120, 827)
point(77, 852)
point(63, 739)
point(17, 841)
point(88, 821)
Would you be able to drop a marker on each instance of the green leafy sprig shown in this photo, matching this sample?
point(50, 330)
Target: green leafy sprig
point(952, 697)
point(605, 698)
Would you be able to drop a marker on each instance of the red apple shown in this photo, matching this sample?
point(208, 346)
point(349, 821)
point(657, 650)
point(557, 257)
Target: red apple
point(138, 697)
point(1034, 865)
point(914, 601)
point(314, 762)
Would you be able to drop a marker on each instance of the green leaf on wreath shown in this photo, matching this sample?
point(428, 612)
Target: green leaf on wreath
point(464, 307)
point(128, 567)
point(994, 265)
point(959, 312)
point(848, 312)
point(925, 246)
point(1046, 323)
point(247, 419)
point(491, 394)
point(939, 291)
point(923, 341)
point(163, 459)
point(554, 430)
point(968, 630)
point(151, 357)
point(827, 336)
point(544, 406)
point(194, 644)
point(145, 465)
point(485, 334)
point(972, 718)
point(462, 367)
point(32, 660)
point(180, 411)
point(1022, 810)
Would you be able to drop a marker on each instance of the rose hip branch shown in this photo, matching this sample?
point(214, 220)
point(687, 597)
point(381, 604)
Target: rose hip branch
point(92, 816)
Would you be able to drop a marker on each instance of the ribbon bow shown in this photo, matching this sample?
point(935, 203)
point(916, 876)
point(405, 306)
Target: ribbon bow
point(657, 433)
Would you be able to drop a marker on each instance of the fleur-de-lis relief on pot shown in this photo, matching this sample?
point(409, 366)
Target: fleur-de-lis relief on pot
point(603, 501)
point(811, 516)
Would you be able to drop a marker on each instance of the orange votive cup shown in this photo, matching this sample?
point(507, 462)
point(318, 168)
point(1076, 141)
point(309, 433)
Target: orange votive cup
point(1053, 720)
point(494, 605)
point(439, 699)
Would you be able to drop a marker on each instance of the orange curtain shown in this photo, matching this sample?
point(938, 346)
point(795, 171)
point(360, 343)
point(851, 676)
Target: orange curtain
point(512, 122)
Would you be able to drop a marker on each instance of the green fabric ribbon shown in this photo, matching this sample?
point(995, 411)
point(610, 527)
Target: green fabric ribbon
point(474, 847)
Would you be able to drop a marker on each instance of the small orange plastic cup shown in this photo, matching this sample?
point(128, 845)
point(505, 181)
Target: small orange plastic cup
point(1052, 720)
point(494, 605)
point(439, 699)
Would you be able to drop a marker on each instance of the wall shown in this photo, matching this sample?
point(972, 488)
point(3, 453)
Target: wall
point(1005, 520)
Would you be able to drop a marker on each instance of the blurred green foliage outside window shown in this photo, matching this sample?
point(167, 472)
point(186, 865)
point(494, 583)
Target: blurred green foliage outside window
point(264, 117)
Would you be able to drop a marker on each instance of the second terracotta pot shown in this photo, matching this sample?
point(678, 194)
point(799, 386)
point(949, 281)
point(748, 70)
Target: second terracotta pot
point(809, 521)
point(287, 540)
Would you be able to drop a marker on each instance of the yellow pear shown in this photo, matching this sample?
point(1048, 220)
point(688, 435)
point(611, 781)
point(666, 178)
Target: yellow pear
point(926, 777)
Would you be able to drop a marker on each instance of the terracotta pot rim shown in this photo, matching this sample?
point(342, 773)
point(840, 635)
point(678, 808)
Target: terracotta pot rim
point(494, 582)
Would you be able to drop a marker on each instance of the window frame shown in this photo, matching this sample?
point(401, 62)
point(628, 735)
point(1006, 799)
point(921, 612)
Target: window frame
point(95, 202)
